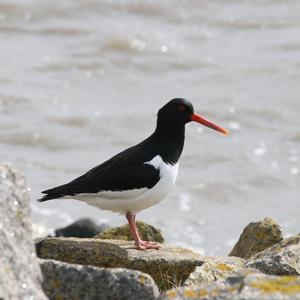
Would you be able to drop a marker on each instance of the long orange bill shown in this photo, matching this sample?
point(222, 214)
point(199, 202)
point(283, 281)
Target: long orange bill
point(201, 120)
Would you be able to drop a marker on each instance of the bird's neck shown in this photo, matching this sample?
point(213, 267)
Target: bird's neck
point(170, 141)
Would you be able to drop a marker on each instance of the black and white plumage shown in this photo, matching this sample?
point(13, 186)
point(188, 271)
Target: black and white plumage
point(140, 176)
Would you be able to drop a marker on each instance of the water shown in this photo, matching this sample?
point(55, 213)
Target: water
point(81, 80)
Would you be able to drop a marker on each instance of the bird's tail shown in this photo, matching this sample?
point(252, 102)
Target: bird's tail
point(51, 194)
point(49, 197)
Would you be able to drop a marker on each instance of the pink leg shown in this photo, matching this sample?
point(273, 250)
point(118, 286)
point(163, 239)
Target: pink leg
point(145, 242)
point(140, 244)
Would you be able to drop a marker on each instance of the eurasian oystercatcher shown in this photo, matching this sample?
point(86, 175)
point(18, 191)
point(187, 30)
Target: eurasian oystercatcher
point(140, 176)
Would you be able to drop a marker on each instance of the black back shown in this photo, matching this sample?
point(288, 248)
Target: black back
point(127, 170)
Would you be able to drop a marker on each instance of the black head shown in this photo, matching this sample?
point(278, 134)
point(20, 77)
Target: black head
point(170, 129)
point(178, 111)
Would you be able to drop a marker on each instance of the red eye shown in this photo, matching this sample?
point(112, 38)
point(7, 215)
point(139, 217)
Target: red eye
point(181, 108)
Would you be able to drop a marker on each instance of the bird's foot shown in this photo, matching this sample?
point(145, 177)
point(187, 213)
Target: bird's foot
point(143, 245)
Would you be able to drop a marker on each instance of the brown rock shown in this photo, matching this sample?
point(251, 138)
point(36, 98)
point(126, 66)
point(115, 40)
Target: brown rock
point(169, 266)
point(257, 237)
point(147, 233)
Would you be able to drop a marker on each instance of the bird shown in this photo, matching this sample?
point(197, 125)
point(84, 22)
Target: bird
point(140, 176)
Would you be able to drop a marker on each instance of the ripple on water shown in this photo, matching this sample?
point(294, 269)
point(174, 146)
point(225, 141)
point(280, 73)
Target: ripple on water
point(63, 32)
point(71, 121)
point(266, 181)
point(217, 191)
point(30, 139)
point(147, 8)
point(59, 31)
point(192, 63)
point(255, 23)
point(125, 44)
point(288, 47)
point(13, 102)
point(295, 137)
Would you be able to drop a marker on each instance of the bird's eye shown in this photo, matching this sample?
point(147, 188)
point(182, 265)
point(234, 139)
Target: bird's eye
point(181, 108)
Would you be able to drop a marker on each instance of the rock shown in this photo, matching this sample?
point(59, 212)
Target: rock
point(248, 285)
point(169, 266)
point(147, 232)
point(20, 275)
point(70, 281)
point(83, 228)
point(281, 259)
point(257, 237)
point(215, 268)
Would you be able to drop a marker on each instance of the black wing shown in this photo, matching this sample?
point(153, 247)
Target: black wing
point(125, 171)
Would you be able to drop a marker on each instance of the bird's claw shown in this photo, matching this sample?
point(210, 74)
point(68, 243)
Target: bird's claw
point(143, 245)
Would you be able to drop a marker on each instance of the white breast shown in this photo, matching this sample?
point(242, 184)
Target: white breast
point(138, 199)
point(167, 174)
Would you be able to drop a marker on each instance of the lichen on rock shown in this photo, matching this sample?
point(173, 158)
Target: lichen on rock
point(244, 285)
point(289, 285)
point(215, 268)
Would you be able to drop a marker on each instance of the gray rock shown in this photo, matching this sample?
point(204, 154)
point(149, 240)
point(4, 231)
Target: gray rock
point(169, 266)
point(215, 268)
point(248, 285)
point(71, 281)
point(20, 275)
point(281, 259)
point(83, 228)
point(257, 237)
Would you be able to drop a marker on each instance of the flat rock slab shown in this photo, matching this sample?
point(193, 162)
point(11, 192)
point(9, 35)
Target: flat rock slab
point(70, 281)
point(248, 285)
point(169, 266)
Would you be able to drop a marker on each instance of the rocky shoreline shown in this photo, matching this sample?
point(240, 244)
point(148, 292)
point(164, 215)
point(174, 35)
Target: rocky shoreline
point(262, 265)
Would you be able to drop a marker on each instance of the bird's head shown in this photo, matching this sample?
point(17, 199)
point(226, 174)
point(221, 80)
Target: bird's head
point(180, 111)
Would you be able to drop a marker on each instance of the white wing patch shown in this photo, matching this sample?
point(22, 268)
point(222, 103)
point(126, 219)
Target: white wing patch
point(135, 200)
point(164, 168)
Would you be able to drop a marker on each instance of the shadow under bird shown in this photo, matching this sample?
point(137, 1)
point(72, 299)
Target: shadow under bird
point(140, 176)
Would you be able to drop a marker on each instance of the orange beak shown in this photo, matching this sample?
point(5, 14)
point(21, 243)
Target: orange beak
point(203, 121)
